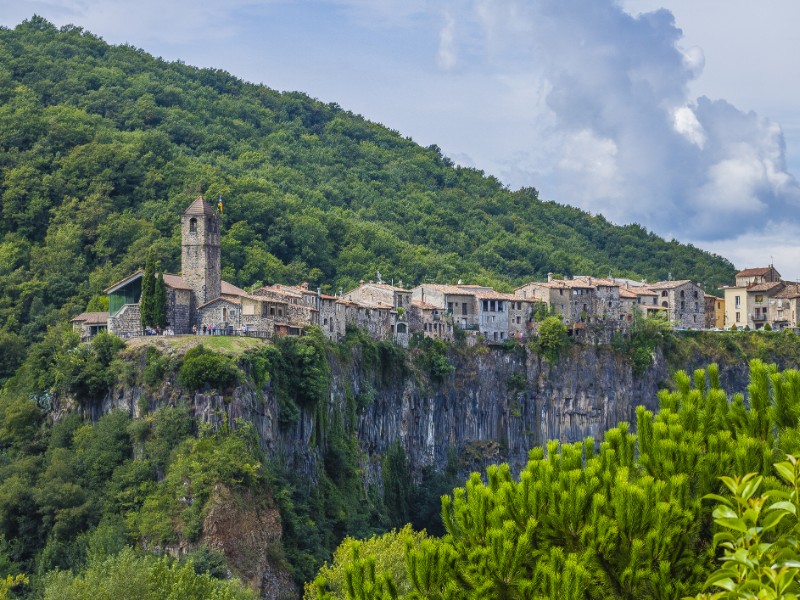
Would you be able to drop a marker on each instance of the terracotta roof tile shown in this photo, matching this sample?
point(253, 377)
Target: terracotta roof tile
point(764, 287)
point(176, 282)
point(754, 272)
point(228, 289)
point(92, 318)
point(666, 285)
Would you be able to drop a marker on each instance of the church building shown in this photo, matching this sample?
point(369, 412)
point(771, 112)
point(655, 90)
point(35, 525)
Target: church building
point(197, 296)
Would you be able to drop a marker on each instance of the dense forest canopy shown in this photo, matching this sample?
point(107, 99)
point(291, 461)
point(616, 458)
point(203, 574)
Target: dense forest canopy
point(102, 147)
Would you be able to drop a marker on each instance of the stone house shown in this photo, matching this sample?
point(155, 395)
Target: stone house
point(89, 324)
point(684, 302)
point(520, 317)
point(784, 307)
point(458, 302)
point(301, 303)
point(374, 318)
point(430, 320)
point(572, 299)
point(493, 314)
point(331, 317)
point(384, 295)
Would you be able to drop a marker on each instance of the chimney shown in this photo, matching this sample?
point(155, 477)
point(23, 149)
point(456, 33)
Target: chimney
point(549, 277)
point(304, 285)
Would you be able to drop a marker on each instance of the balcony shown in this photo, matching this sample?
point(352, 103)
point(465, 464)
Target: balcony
point(759, 317)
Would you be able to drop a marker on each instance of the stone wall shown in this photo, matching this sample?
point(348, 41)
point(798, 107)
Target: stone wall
point(179, 310)
point(222, 313)
point(127, 322)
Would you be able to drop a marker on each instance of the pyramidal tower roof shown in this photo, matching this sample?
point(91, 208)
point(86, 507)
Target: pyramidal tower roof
point(199, 207)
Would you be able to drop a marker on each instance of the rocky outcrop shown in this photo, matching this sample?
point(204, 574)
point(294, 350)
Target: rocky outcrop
point(495, 406)
point(247, 529)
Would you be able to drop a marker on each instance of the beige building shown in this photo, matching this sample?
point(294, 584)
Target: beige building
point(747, 302)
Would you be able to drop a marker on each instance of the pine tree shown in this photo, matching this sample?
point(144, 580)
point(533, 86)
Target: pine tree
point(147, 300)
point(160, 301)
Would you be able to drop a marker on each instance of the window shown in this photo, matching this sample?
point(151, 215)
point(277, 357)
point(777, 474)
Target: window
point(485, 305)
point(738, 302)
point(518, 320)
point(695, 293)
point(325, 321)
point(192, 225)
point(450, 307)
point(683, 303)
point(682, 295)
point(738, 317)
point(759, 298)
point(696, 306)
point(560, 291)
point(463, 308)
point(272, 310)
point(280, 312)
point(664, 294)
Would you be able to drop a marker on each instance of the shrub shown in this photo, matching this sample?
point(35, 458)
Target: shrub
point(552, 337)
point(205, 368)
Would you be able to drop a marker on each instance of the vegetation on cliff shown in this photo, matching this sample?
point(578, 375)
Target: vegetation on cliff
point(630, 518)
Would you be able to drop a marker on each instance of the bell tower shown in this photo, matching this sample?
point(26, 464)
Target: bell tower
point(200, 252)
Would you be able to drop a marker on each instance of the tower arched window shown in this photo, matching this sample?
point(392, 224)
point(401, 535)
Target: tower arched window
point(192, 225)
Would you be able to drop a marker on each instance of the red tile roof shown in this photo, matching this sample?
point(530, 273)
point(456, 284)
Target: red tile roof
point(753, 272)
point(92, 318)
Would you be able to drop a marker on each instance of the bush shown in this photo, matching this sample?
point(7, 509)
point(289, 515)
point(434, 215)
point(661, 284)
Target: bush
point(552, 338)
point(204, 368)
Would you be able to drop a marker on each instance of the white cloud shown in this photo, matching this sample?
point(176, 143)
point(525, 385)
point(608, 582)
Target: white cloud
point(688, 126)
point(447, 55)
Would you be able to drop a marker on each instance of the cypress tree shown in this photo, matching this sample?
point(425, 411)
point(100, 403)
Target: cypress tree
point(160, 301)
point(148, 291)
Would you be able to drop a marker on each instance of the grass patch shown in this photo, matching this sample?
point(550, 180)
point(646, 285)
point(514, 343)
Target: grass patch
point(180, 344)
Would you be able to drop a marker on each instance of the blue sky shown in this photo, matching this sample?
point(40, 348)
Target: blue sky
point(685, 118)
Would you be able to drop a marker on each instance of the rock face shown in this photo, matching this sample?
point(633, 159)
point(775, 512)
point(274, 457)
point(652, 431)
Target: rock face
point(494, 407)
point(247, 530)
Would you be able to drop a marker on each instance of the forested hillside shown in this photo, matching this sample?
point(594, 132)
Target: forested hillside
point(102, 147)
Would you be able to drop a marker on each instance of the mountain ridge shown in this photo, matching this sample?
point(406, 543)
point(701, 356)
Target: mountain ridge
point(102, 146)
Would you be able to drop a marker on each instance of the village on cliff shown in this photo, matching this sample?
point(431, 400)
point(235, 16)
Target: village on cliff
point(200, 302)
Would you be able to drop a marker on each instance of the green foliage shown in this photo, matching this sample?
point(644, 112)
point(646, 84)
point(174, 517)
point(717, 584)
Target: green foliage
point(148, 311)
point(204, 368)
point(388, 551)
point(105, 145)
point(625, 519)
point(398, 486)
point(640, 343)
point(433, 358)
point(140, 577)
point(160, 301)
point(551, 338)
point(298, 371)
point(759, 537)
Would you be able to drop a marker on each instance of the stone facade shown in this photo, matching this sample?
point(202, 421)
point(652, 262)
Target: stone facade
point(200, 251)
point(127, 322)
point(179, 309)
point(222, 313)
point(684, 302)
point(520, 318)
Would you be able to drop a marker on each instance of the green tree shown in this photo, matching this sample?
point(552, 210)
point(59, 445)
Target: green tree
point(147, 301)
point(551, 337)
point(160, 301)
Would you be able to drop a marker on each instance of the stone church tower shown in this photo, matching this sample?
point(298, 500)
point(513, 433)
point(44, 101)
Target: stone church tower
point(200, 252)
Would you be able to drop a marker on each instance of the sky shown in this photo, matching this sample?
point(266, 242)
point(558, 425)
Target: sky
point(680, 115)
